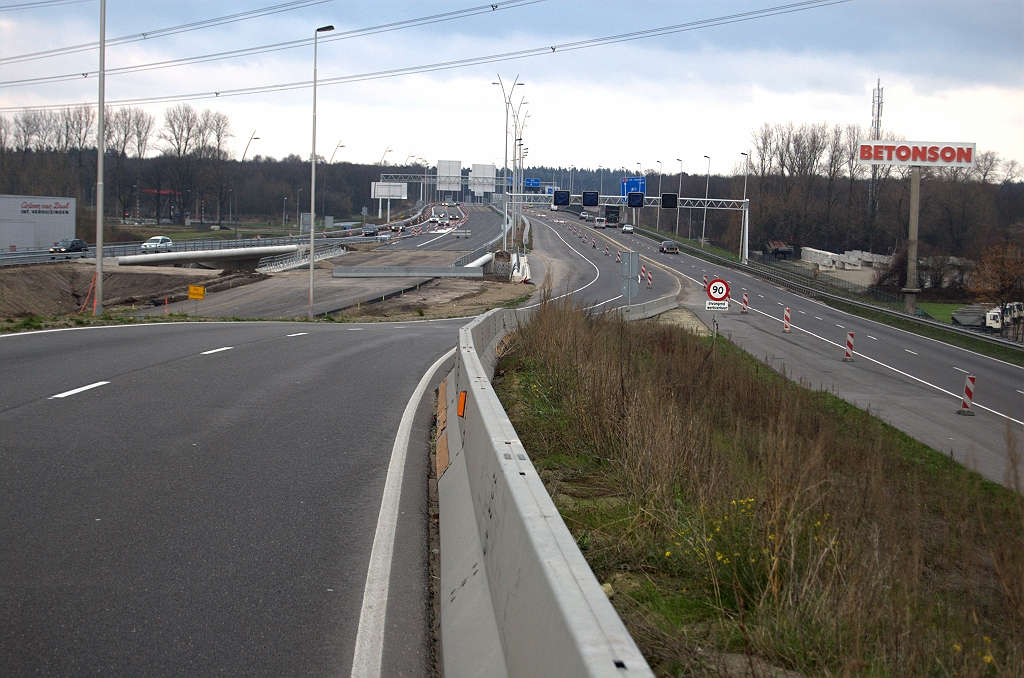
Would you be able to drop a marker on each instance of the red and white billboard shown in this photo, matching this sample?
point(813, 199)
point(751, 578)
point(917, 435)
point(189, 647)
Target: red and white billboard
point(922, 153)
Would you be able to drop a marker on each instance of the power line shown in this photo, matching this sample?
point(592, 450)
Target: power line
point(474, 61)
point(277, 47)
point(170, 30)
point(41, 3)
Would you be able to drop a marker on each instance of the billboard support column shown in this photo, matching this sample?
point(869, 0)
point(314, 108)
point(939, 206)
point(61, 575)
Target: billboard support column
point(97, 304)
point(911, 290)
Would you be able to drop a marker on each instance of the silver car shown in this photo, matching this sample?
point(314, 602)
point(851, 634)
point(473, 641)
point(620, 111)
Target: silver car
point(158, 243)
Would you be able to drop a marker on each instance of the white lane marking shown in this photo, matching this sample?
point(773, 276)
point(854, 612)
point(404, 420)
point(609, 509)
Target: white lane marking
point(297, 334)
point(605, 302)
point(73, 391)
point(840, 326)
point(909, 351)
point(433, 239)
point(960, 369)
point(354, 329)
point(217, 350)
point(873, 338)
point(802, 312)
point(958, 396)
point(761, 295)
point(780, 303)
point(1020, 391)
point(817, 317)
point(370, 637)
point(582, 255)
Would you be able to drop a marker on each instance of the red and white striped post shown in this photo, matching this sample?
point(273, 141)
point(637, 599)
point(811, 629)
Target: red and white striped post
point(650, 278)
point(593, 243)
point(785, 320)
point(965, 404)
point(643, 271)
point(744, 309)
point(606, 250)
point(618, 257)
point(705, 281)
point(849, 348)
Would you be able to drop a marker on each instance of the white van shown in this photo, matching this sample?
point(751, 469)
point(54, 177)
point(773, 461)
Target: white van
point(600, 222)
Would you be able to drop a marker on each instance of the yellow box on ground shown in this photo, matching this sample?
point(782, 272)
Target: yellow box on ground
point(196, 292)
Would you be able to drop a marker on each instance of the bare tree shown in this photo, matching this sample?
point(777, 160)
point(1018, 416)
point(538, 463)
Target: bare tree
point(218, 153)
point(118, 132)
point(184, 136)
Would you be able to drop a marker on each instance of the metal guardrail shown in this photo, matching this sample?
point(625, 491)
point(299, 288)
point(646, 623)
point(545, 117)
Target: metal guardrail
point(284, 262)
point(762, 271)
point(518, 597)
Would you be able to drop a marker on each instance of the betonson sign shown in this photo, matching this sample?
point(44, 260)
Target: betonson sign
point(920, 153)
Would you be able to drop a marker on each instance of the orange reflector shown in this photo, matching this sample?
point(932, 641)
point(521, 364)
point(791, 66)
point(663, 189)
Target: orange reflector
point(462, 403)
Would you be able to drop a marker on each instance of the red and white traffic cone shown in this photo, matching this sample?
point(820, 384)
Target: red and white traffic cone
point(606, 250)
point(785, 321)
point(618, 257)
point(650, 278)
point(744, 309)
point(705, 281)
point(965, 405)
point(849, 348)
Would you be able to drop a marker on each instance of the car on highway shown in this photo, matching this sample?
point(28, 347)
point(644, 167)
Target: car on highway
point(600, 222)
point(583, 216)
point(369, 231)
point(158, 243)
point(627, 228)
point(668, 247)
point(69, 245)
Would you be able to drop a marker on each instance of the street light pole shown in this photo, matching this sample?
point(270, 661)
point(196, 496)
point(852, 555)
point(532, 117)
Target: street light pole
point(600, 174)
point(100, 150)
point(240, 165)
point(661, 175)
point(745, 230)
point(323, 199)
point(507, 98)
point(678, 211)
point(707, 185)
point(312, 176)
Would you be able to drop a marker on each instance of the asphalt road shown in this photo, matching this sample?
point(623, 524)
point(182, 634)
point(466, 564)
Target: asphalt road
point(482, 222)
point(910, 381)
point(208, 511)
point(203, 498)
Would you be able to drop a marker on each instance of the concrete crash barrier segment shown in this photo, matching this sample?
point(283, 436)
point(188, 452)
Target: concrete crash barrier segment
point(517, 596)
point(407, 272)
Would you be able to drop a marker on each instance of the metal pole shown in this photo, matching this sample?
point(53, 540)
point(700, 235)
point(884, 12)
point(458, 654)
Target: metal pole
point(657, 222)
point(706, 186)
point(911, 290)
point(678, 210)
point(100, 150)
point(745, 233)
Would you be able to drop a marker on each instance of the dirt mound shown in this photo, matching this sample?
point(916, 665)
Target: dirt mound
point(62, 288)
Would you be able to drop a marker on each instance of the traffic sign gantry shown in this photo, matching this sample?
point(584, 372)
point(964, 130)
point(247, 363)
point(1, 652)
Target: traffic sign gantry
point(718, 290)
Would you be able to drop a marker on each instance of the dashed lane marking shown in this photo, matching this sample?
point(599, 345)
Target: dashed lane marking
point(73, 391)
point(909, 351)
point(960, 369)
point(217, 350)
point(872, 338)
point(297, 334)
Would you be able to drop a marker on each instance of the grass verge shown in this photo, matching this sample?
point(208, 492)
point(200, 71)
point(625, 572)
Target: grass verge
point(740, 521)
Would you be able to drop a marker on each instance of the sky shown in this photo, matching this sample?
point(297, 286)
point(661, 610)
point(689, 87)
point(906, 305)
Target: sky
point(952, 70)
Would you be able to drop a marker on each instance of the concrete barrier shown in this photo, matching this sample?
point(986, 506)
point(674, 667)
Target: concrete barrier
point(517, 596)
point(407, 272)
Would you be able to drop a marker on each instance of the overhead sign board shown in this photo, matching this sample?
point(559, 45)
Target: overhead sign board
point(389, 190)
point(633, 185)
point(590, 198)
point(561, 198)
point(669, 201)
point(449, 175)
point(635, 200)
point(920, 153)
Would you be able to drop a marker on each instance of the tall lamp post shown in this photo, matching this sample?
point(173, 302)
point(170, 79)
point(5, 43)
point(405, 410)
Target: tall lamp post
point(678, 211)
point(707, 185)
point(323, 200)
point(661, 175)
point(100, 150)
point(638, 217)
point(380, 202)
point(241, 163)
point(507, 98)
point(600, 175)
point(745, 229)
point(312, 176)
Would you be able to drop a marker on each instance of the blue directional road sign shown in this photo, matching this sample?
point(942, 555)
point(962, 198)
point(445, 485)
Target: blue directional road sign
point(531, 183)
point(633, 185)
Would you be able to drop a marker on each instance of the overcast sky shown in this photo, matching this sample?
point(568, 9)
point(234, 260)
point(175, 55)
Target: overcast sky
point(951, 70)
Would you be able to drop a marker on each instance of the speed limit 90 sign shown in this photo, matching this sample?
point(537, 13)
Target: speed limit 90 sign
point(718, 290)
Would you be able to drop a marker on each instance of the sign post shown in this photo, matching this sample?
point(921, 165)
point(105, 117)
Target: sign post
point(718, 295)
point(630, 285)
point(916, 154)
point(197, 292)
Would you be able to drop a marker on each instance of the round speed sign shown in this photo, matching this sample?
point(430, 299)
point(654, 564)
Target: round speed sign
point(718, 290)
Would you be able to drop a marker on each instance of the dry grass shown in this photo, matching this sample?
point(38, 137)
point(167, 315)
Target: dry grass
point(733, 511)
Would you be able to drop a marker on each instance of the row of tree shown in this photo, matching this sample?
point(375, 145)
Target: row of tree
point(804, 183)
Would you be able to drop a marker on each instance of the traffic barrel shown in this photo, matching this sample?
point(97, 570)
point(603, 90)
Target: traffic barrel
point(650, 278)
point(849, 348)
point(744, 309)
point(643, 271)
point(965, 404)
point(785, 320)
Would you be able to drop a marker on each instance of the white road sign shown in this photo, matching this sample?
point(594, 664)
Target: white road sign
point(718, 290)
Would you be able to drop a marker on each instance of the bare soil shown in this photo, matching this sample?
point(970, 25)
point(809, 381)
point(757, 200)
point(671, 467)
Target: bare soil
point(443, 298)
point(56, 289)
